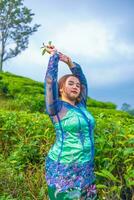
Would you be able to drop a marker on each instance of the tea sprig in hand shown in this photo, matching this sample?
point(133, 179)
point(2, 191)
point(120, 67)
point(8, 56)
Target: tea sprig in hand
point(47, 48)
point(51, 50)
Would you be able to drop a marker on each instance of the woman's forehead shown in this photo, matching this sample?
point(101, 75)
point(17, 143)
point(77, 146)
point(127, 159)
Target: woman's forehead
point(73, 79)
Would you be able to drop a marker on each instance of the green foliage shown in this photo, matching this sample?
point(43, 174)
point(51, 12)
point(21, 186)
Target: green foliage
point(19, 93)
point(27, 135)
point(94, 103)
point(25, 141)
point(114, 138)
point(12, 85)
point(131, 112)
point(15, 29)
point(29, 95)
point(44, 50)
point(127, 108)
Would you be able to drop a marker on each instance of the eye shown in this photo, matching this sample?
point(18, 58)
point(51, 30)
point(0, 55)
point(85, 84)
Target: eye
point(70, 83)
point(78, 86)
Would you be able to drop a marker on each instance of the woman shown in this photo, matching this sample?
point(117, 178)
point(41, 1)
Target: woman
point(70, 161)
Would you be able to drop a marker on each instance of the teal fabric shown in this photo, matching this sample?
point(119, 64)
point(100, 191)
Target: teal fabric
point(73, 194)
point(75, 149)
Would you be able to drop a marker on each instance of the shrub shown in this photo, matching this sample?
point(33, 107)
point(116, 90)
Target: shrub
point(27, 137)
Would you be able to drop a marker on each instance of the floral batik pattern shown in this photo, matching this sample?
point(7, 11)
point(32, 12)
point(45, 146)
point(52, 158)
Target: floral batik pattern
point(65, 176)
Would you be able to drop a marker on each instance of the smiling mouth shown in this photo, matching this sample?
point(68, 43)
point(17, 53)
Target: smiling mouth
point(74, 92)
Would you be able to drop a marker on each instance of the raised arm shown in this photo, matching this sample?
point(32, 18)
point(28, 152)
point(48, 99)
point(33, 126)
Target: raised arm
point(51, 85)
point(77, 70)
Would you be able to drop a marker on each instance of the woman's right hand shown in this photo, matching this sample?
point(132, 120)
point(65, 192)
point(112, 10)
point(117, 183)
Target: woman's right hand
point(51, 49)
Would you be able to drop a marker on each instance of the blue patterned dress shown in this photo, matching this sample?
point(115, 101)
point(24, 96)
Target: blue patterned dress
point(69, 165)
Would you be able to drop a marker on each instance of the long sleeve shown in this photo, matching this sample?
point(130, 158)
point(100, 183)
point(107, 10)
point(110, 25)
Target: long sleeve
point(77, 70)
point(51, 85)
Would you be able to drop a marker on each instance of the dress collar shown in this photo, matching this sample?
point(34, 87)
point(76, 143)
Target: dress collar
point(75, 106)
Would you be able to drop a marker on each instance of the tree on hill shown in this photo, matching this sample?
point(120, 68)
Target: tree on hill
point(127, 108)
point(15, 29)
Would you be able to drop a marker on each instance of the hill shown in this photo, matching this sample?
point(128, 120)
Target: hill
point(21, 93)
point(27, 134)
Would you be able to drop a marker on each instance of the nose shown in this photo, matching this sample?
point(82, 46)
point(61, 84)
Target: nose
point(75, 87)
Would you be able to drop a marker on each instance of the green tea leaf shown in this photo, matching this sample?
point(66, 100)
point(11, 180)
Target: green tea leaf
point(108, 175)
point(44, 51)
point(101, 186)
point(50, 42)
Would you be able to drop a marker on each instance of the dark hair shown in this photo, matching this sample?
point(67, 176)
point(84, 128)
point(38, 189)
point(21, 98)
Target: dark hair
point(61, 84)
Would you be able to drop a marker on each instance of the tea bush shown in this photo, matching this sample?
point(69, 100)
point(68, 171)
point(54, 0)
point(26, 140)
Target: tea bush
point(29, 94)
point(27, 137)
point(25, 141)
point(114, 136)
point(27, 134)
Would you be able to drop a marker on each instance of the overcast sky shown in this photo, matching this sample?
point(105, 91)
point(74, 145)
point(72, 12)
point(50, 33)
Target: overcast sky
point(97, 34)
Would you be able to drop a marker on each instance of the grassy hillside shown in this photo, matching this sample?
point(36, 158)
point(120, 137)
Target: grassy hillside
point(27, 135)
point(20, 93)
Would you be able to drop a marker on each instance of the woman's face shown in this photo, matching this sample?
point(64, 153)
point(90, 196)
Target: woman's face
point(71, 88)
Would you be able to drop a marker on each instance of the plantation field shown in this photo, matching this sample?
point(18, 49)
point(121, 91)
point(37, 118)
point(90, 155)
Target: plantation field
point(27, 134)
